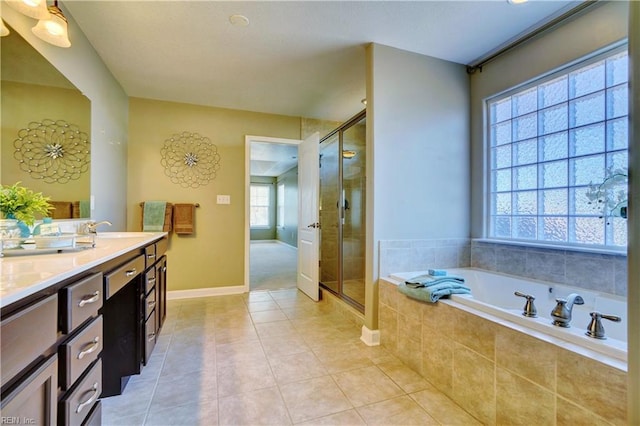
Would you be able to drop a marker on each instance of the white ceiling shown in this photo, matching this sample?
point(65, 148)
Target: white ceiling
point(297, 58)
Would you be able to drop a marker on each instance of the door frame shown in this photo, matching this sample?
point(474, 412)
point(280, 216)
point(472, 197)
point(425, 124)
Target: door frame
point(247, 184)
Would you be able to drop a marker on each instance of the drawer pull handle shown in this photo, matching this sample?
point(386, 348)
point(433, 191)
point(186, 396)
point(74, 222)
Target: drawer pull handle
point(91, 299)
point(151, 336)
point(151, 304)
point(131, 273)
point(92, 348)
point(92, 398)
point(151, 280)
point(151, 256)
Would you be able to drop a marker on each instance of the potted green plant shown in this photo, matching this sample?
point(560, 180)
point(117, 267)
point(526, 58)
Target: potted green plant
point(22, 205)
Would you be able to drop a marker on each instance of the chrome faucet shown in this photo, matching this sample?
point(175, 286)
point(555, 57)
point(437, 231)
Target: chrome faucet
point(529, 308)
point(90, 227)
point(561, 314)
point(595, 328)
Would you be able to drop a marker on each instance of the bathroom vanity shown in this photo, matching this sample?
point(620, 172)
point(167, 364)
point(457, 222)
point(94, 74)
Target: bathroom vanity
point(76, 325)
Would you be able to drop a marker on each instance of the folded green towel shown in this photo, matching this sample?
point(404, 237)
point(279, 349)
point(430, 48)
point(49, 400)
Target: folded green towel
point(85, 208)
point(434, 292)
point(428, 280)
point(153, 216)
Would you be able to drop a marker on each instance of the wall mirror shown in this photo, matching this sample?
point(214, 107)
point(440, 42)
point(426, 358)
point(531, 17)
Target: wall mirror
point(53, 118)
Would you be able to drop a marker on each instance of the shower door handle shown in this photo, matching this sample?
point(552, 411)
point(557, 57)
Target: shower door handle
point(314, 225)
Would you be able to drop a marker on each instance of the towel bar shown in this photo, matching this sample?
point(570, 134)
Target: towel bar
point(196, 204)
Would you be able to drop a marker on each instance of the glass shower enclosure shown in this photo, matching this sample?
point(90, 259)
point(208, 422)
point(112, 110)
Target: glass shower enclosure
point(343, 212)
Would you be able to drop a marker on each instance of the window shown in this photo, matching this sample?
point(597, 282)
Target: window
point(280, 204)
point(259, 199)
point(548, 142)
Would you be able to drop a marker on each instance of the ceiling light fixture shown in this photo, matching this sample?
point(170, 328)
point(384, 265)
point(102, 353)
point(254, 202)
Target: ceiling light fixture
point(53, 30)
point(4, 31)
point(517, 1)
point(239, 20)
point(32, 8)
point(348, 154)
point(364, 101)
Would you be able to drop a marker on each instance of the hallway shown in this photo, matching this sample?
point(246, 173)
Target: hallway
point(273, 265)
point(273, 357)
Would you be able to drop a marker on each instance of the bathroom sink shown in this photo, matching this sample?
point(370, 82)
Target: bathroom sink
point(124, 234)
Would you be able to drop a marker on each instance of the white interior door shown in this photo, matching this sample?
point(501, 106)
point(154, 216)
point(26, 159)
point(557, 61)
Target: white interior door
point(308, 216)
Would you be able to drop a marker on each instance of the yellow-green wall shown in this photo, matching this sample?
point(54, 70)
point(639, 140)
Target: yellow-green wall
point(214, 255)
point(25, 103)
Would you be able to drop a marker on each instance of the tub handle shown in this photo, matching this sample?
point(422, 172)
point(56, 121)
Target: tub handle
point(595, 328)
point(529, 308)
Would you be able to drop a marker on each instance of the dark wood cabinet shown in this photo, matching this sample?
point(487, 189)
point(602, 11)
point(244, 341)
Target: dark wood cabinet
point(33, 401)
point(67, 345)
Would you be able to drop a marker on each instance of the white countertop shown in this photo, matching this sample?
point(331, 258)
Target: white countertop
point(21, 276)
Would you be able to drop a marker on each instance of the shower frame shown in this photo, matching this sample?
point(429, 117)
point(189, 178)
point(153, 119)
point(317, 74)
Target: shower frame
point(340, 234)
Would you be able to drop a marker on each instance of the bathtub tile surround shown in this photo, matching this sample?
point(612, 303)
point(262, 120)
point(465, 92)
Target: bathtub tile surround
point(418, 255)
point(603, 272)
point(496, 373)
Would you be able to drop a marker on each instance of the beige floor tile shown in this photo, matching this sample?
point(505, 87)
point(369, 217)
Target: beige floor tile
point(349, 417)
point(296, 367)
point(313, 398)
point(268, 305)
point(240, 354)
point(276, 328)
point(267, 316)
point(199, 413)
point(184, 389)
point(260, 407)
point(257, 296)
point(252, 360)
point(111, 419)
point(135, 400)
point(367, 385)
point(398, 411)
point(408, 380)
point(278, 346)
point(443, 409)
point(236, 379)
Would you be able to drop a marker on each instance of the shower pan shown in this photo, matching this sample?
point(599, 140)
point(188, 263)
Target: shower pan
point(342, 211)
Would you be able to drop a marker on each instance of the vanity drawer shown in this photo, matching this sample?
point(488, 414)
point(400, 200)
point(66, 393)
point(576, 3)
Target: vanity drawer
point(149, 337)
point(161, 247)
point(75, 407)
point(149, 280)
point(149, 303)
point(80, 301)
point(26, 335)
point(80, 352)
point(150, 255)
point(118, 278)
point(95, 416)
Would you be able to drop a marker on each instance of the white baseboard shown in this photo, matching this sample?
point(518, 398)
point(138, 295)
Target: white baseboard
point(204, 292)
point(370, 337)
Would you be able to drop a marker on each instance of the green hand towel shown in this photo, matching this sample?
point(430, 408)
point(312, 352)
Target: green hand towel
point(85, 208)
point(153, 216)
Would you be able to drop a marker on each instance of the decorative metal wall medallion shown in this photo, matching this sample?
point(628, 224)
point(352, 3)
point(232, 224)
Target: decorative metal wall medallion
point(190, 160)
point(54, 151)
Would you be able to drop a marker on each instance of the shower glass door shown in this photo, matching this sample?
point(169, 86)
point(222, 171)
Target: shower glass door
point(342, 211)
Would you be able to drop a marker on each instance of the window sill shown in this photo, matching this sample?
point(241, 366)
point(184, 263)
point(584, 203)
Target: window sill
point(567, 247)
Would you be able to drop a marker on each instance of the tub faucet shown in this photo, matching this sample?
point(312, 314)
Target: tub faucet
point(595, 328)
point(561, 314)
point(90, 227)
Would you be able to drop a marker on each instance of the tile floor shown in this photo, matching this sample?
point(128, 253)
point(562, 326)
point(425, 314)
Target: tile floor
point(277, 358)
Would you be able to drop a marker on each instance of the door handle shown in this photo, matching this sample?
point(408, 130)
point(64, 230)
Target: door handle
point(314, 225)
